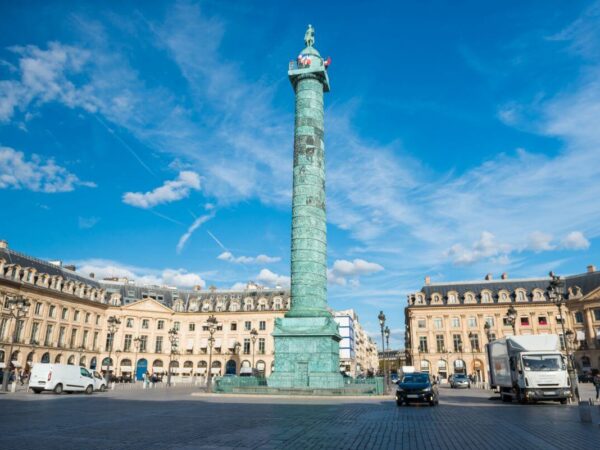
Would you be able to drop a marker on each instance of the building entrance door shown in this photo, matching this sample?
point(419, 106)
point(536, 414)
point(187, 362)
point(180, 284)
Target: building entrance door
point(141, 369)
point(302, 373)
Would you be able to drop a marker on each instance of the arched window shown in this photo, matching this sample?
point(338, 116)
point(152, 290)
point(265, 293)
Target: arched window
point(486, 297)
point(261, 367)
point(234, 306)
point(93, 363)
point(425, 366)
point(82, 361)
point(459, 366)
point(57, 359)
point(71, 360)
point(126, 362)
point(452, 298)
point(231, 367)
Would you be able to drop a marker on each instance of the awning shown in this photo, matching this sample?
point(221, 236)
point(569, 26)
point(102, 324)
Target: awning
point(215, 370)
point(126, 368)
point(218, 343)
point(231, 344)
point(580, 335)
point(190, 344)
point(158, 369)
point(204, 343)
point(201, 370)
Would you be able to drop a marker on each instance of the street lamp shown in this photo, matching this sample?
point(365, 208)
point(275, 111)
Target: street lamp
point(173, 340)
point(556, 295)
point(253, 335)
point(211, 325)
point(18, 308)
point(511, 318)
point(488, 331)
point(136, 345)
point(381, 318)
point(113, 326)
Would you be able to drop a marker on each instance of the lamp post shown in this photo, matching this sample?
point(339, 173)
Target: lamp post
point(386, 333)
point(511, 318)
point(18, 308)
point(211, 325)
point(113, 326)
point(488, 331)
point(173, 341)
point(80, 350)
point(253, 335)
point(556, 295)
point(136, 345)
point(118, 353)
point(381, 318)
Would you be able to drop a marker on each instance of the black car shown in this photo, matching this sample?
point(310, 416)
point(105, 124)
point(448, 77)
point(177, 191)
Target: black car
point(585, 378)
point(417, 388)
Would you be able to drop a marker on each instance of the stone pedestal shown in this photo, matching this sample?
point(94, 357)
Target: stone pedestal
point(306, 354)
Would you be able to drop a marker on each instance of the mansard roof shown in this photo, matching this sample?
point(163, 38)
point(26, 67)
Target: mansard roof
point(47, 267)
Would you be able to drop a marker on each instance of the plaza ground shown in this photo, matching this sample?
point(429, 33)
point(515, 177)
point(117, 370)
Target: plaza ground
point(175, 419)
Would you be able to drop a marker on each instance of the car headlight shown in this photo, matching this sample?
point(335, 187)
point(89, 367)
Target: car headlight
point(428, 389)
point(400, 390)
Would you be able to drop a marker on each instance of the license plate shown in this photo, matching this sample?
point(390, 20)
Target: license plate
point(550, 393)
point(412, 396)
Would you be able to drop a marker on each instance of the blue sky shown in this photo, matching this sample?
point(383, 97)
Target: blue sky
point(155, 141)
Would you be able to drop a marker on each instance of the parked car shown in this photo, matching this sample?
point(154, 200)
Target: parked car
point(585, 378)
point(460, 380)
point(417, 387)
point(99, 381)
point(60, 378)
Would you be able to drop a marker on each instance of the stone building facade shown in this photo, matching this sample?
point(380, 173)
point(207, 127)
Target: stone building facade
point(445, 322)
point(358, 351)
point(67, 322)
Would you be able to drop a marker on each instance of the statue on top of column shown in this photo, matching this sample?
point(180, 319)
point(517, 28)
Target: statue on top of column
point(309, 36)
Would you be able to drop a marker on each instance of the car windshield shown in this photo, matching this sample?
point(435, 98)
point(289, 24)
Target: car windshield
point(541, 363)
point(415, 378)
point(460, 377)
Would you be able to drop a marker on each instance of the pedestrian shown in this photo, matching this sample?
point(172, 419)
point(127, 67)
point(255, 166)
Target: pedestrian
point(596, 381)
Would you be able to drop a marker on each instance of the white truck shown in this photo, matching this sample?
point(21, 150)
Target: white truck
point(529, 368)
point(60, 378)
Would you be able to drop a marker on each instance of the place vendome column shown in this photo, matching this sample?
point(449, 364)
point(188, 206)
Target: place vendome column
point(307, 338)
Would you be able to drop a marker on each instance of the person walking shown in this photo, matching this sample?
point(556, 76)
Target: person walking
point(596, 381)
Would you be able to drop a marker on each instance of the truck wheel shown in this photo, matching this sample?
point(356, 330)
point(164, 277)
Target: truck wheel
point(58, 389)
point(89, 390)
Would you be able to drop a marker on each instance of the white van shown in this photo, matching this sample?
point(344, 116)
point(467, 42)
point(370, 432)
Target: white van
point(59, 378)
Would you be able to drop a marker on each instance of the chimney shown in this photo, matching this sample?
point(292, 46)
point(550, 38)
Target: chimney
point(488, 277)
point(3, 243)
point(504, 276)
point(92, 275)
point(591, 268)
point(427, 280)
point(70, 267)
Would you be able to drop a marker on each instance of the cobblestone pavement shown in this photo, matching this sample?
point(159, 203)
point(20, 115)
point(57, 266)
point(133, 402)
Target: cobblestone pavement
point(174, 419)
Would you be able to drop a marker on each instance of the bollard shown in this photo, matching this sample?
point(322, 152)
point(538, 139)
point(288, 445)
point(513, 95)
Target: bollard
point(585, 411)
point(112, 386)
point(13, 387)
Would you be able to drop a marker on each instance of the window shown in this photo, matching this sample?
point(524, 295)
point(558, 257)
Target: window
point(262, 325)
point(160, 325)
point(158, 344)
point(505, 322)
point(87, 317)
point(95, 342)
point(192, 327)
point(143, 344)
point(109, 340)
point(457, 341)
point(455, 322)
point(176, 325)
point(474, 339)
point(233, 326)
point(48, 338)
point(524, 321)
point(261, 346)
point(246, 346)
point(439, 343)
point(127, 343)
point(3, 327)
point(597, 315)
point(145, 324)
point(542, 320)
point(578, 317)
point(52, 311)
point(84, 338)
point(438, 324)
point(129, 322)
point(421, 323)
point(492, 337)
point(423, 344)
point(73, 338)
point(559, 319)
point(247, 325)
point(61, 336)
point(34, 333)
point(472, 322)
point(97, 319)
point(490, 321)
point(19, 330)
point(65, 314)
point(76, 316)
point(38, 309)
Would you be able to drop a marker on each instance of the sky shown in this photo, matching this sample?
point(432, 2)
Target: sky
point(154, 140)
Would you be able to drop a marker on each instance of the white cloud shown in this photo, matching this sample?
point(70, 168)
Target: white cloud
point(170, 191)
point(87, 222)
point(193, 227)
point(342, 269)
point(260, 259)
point(540, 242)
point(172, 277)
point(272, 279)
point(485, 247)
point(575, 240)
point(35, 174)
